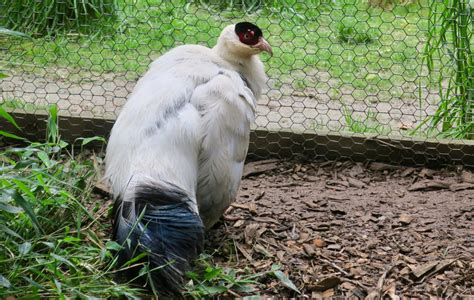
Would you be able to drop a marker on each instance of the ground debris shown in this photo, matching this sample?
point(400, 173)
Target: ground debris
point(356, 183)
point(405, 219)
point(324, 229)
point(428, 185)
point(467, 177)
point(461, 186)
point(259, 167)
point(327, 283)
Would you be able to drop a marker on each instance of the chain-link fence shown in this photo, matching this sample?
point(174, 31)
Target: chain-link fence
point(344, 72)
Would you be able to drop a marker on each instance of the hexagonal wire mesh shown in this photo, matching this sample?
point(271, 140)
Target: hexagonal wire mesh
point(347, 70)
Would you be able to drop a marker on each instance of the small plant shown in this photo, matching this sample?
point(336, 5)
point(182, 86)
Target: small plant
point(251, 6)
point(7, 32)
point(51, 16)
point(388, 4)
point(367, 124)
point(51, 228)
point(20, 104)
point(208, 280)
point(451, 38)
point(351, 35)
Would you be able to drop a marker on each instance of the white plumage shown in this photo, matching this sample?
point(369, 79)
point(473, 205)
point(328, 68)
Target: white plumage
point(177, 149)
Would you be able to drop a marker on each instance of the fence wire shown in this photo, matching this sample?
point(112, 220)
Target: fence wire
point(341, 67)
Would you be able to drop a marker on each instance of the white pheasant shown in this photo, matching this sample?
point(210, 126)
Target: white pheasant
point(176, 152)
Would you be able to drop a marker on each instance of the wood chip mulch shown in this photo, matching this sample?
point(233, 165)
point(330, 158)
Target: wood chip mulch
point(342, 229)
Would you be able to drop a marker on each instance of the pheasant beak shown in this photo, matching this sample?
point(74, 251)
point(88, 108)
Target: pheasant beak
point(264, 46)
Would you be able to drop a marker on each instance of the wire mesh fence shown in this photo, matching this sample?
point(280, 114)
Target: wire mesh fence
point(341, 68)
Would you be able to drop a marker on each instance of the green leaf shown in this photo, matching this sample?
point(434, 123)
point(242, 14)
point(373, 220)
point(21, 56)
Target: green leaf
point(27, 207)
point(44, 158)
point(48, 244)
point(284, 279)
point(58, 286)
point(213, 290)
point(245, 288)
point(62, 259)
point(112, 245)
point(24, 188)
point(11, 135)
point(5, 31)
point(52, 128)
point(88, 140)
point(192, 275)
point(10, 208)
point(144, 270)
point(4, 114)
point(71, 239)
point(24, 248)
point(212, 273)
point(4, 282)
point(135, 259)
point(10, 232)
point(32, 282)
point(3, 75)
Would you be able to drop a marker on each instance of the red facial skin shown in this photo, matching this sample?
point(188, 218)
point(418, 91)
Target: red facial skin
point(248, 37)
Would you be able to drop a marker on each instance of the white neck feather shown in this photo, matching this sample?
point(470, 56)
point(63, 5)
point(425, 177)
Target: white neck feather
point(250, 66)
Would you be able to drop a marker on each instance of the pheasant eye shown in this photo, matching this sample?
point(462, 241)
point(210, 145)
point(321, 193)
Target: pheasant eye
point(248, 33)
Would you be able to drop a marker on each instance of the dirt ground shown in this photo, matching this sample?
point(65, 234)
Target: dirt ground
point(352, 230)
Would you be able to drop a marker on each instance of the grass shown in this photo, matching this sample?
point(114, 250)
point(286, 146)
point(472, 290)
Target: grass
point(51, 17)
point(12, 104)
point(350, 35)
point(375, 52)
point(367, 123)
point(451, 38)
point(210, 280)
point(51, 228)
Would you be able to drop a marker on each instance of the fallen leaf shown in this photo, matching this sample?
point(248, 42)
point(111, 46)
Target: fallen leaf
point(405, 219)
point(102, 188)
point(420, 270)
point(250, 233)
point(407, 172)
point(467, 177)
point(244, 251)
point(319, 243)
point(336, 197)
point(372, 295)
point(239, 223)
point(260, 249)
point(309, 249)
point(334, 247)
point(455, 187)
point(320, 227)
point(356, 183)
point(258, 167)
point(327, 283)
point(266, 220)
point(347, 286)
point(284, 279)
point(428, 185)
point(391, 291)
point(328, 293)
point(376, 166)
point(426, 173)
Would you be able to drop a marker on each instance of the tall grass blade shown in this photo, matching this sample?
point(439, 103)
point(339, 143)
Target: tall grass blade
point(5, 115)
point(28, 210)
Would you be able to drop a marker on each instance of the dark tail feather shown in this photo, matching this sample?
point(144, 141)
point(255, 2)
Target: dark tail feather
point(160, 222)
